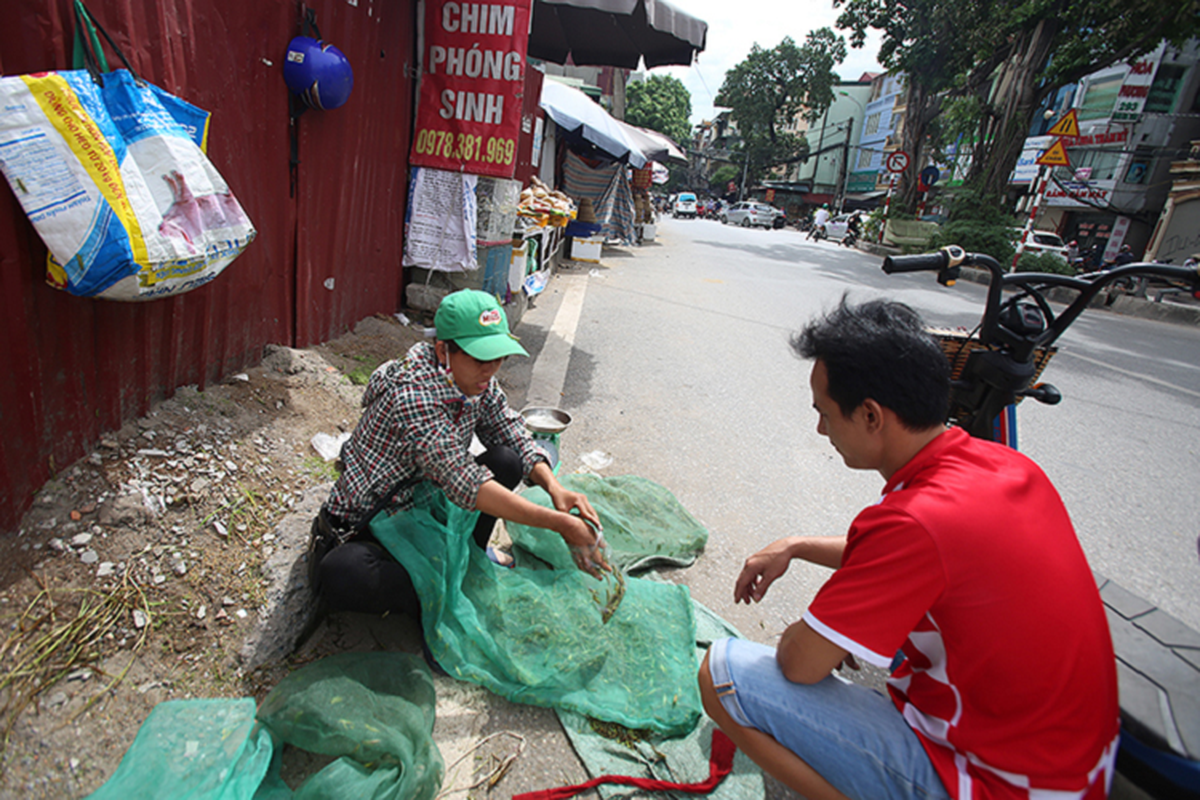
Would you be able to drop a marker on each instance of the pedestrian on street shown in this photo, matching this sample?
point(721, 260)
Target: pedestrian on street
point(965, 580)
point(417, 424)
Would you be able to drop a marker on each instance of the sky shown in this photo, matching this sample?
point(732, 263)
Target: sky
point(735, 25)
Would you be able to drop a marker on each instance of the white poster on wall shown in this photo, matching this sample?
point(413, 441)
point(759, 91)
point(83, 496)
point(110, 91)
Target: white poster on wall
point(439, 227)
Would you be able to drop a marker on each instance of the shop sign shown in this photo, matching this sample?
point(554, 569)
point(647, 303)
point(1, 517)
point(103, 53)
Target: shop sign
point(862, 182)
point(1079, 194)
point(1131, 98)
point(469, 111)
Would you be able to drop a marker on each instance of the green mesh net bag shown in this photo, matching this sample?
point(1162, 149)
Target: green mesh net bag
point(539, 636)
point(209, 749)
point(374, 712)
point(644, 525)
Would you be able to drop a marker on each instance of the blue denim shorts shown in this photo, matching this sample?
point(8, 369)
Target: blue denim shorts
point(852, 736)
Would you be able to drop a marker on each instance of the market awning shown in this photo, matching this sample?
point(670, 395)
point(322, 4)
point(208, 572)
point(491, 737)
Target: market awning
point(615, 33)
point(575, 112)
point(654, 145)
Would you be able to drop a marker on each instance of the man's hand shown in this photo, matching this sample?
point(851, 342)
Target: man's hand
point(761, 570)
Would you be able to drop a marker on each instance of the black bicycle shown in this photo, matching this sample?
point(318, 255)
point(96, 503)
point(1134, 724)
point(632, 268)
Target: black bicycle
point(993, 368)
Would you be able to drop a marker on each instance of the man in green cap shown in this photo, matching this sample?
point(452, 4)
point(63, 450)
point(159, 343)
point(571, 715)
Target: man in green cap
point(417, 424)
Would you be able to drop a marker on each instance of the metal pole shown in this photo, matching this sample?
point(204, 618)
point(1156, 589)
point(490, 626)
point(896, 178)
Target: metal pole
point(1039, 190)
point(886, 203)
point(845, 181)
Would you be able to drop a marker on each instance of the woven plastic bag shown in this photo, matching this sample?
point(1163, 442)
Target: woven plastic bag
point(644, 524)
point(115, 181)
point(537, 636)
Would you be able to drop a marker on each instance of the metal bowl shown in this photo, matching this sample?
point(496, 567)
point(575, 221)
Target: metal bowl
point(541, 419)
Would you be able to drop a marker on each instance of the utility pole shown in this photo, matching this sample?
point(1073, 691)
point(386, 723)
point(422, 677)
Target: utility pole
point(844, 178)
point(745, 167)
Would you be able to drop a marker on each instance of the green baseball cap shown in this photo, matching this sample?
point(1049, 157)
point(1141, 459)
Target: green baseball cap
point(475, 322)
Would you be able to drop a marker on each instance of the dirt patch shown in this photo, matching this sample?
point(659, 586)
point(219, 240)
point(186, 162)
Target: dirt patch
point(138, 573)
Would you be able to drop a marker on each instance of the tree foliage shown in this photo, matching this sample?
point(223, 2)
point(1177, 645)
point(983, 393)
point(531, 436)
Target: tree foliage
point(661, 103)
point(765, 93)
point(1006, 58)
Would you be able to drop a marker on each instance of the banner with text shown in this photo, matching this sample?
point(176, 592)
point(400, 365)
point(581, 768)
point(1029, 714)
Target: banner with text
point(469, 112)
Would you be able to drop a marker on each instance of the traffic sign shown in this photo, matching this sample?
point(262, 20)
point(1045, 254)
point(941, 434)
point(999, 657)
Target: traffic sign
point(897, 161)
point(1067, 126)
point(930, 175)
point(1056, 156)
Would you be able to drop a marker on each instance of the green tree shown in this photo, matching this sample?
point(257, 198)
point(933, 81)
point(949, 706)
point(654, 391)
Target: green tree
point(1006, 58)
point(923, 39)
point(661, 103)
point(765, 93)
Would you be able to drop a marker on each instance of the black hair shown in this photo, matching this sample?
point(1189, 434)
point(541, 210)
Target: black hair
point(880, 350)
point(452, 346)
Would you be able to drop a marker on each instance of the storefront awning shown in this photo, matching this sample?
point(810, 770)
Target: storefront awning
point(616, 33)
point(575, 112)
point(654, 145)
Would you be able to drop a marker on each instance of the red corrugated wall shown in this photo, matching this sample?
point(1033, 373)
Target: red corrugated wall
point(74, 368)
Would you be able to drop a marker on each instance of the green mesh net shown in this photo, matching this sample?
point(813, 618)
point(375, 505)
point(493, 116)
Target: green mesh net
point(208, 749)
point(644, 525)
point(373, 712)
point(539, 636)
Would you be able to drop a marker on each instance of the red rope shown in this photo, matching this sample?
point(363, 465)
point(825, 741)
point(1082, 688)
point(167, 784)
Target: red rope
point(720, 764)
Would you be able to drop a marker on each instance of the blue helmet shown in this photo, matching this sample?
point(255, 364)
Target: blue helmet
point(318, 72)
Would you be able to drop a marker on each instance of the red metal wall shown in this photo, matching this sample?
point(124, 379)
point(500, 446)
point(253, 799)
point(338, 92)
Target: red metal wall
point(72, 367)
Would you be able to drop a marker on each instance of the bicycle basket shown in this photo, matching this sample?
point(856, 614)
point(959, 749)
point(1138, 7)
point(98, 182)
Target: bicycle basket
point(958, 346)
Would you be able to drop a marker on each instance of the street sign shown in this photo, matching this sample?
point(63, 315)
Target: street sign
point(930, 175)
point(1056, 156)
point(1067, 126)
point(897, 161)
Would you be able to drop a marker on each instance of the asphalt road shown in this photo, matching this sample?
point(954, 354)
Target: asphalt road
point(681, 372)
point(675, 365)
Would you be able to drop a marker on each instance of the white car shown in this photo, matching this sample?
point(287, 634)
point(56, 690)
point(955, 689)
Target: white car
point(748, 215)
point(685, 205)
point(1040, 242)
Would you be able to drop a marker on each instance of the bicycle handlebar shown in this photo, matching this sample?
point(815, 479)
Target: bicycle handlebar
point(932, 262)
point(1016, 326)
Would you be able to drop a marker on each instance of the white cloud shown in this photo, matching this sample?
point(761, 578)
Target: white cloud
point(735, 25)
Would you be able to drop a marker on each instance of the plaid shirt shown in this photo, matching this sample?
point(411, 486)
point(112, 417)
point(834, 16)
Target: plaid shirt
point(417, 426)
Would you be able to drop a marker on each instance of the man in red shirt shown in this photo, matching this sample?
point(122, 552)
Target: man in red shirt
point(1004, 685)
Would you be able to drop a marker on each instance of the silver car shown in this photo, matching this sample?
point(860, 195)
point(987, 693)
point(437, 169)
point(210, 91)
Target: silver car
point(748, 215)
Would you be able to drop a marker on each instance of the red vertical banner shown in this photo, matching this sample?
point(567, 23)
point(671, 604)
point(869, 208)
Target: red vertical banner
point(469, 113)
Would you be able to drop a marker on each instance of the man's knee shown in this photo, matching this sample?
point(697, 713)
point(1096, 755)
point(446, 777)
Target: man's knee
point(708, 693)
